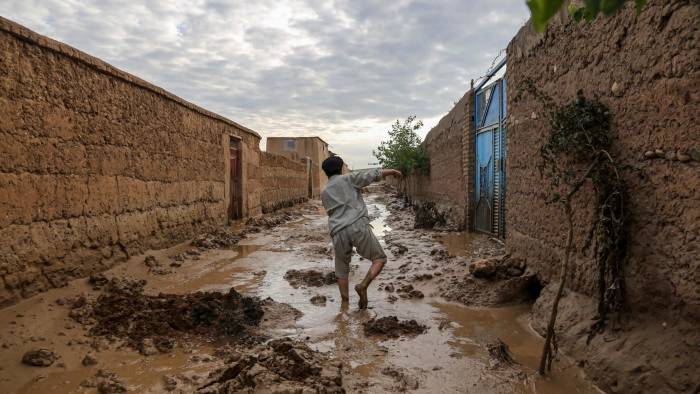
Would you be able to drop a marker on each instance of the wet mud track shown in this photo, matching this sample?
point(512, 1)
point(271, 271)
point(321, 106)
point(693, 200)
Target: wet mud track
point(445, 347)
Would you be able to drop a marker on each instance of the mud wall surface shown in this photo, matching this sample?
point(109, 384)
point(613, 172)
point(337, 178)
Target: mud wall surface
point(98, 164)
point(284, 182)
point(445, 186)
point(646, 69)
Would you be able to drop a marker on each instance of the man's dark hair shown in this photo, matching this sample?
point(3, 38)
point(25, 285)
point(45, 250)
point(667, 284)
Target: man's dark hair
point(332, 166)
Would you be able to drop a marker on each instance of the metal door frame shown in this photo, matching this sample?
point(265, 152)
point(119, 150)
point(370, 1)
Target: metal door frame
point(498, 151)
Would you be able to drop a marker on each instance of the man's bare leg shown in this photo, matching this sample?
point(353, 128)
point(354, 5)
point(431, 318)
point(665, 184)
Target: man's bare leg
point(343, 286)
point(361, 288)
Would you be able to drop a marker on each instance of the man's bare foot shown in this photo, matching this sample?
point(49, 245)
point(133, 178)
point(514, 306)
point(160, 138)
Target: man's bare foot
point(362, 292)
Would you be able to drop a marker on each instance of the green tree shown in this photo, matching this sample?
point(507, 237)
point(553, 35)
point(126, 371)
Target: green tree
point(403, 150)
point(543, 10)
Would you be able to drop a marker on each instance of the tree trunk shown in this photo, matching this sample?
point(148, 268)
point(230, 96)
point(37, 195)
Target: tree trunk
point(547, 351)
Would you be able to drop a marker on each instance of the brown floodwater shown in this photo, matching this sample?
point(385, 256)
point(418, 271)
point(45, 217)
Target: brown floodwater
point(449, 357)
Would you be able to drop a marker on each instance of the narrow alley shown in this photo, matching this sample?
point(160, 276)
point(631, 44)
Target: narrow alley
point(446, 346)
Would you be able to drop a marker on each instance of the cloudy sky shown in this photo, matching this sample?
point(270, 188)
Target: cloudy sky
point(343, 70)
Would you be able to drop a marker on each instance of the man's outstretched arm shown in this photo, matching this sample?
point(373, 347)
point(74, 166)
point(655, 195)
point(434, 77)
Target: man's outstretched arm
point(391, 172)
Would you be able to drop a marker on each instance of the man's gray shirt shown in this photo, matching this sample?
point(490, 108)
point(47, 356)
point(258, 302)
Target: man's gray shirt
point(342, 198)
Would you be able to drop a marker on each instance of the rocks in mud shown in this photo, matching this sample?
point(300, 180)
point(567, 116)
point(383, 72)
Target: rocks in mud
point(272, 220)
point(89, 360)
point(500, 354)
point(154, 266)
point(392, 327)
point(39, 358)
point(428, 216)
point(97, 281)
point(282, 365)
point(218, 238)
point(319, 300)
point(149, 323)
point(500, 267)
point(398, 249)
point(169, 383)
point(404, 381)
point(310, 278)
point(105, 382)
point(408, 292)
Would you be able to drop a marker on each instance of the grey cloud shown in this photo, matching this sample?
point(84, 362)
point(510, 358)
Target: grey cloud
point(341, 69)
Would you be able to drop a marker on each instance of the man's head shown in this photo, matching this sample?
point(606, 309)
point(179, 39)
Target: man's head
point(332, 166)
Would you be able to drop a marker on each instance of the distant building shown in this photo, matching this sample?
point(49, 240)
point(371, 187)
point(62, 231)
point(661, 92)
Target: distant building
point(296, 148)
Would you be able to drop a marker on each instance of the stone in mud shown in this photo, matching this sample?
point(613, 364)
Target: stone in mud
point(389, 288)
point(106, 382)
point(500, 354)
point(428, 216)
point(219, 238)
point(392, 327)
point(319, 300)
point(169, 383)
point(89, 360)
point(404, 381)
point(311, 278)
point(484, 268)
point(408, 292)
point(39, 358)
point(282, 365)
point(97, 281)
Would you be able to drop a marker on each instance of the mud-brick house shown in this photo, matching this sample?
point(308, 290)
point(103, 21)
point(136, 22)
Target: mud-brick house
point(296, 148)
point(97, 165)
point(484, 176)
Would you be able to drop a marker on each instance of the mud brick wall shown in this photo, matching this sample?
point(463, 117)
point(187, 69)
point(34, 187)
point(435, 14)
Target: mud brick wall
point(97, 165)
point(646, 69)
point(446, 186)
point(284, 182)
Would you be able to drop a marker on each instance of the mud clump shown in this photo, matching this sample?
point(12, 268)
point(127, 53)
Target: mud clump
point(148, 322)
point(218, 238)
point(500, 267)
point(500, 354)
point(428, 216)
point(154, 267)
point(309, 278)
point(408, 292)
point(282, 365)
point(318, 300)
point(272, 220)
point(39, 358)
point(392, 327)
point(105, 382)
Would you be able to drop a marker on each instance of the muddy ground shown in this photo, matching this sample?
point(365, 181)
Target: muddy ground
point(252, 308)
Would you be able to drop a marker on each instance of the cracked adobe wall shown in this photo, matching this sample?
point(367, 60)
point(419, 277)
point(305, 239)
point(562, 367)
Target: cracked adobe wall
point(646, 69)
point(98, 164)
point(447, 186)
point(284, 182)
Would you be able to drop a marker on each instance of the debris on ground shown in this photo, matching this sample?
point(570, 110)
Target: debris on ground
point(89, 360)
point(489, 293)
point(310, 278)
point(106, 382)
point(500, 354)
point(404, 381)
point(392, 327)
point(39, 357)
point(282, 365)
point(408, 292)
point(319, 300)
point(428, 216)
point(272, 220)
point(499, 267)
point(154, 266)
point(150, 323)
point(97, 281)
point(218, 238)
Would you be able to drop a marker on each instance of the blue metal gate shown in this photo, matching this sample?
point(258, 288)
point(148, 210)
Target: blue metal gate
point(490, 176)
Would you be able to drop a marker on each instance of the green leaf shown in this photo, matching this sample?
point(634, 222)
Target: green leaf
point(609, 7)
point(542, 11)
point(591, 9)
point(575, 12)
